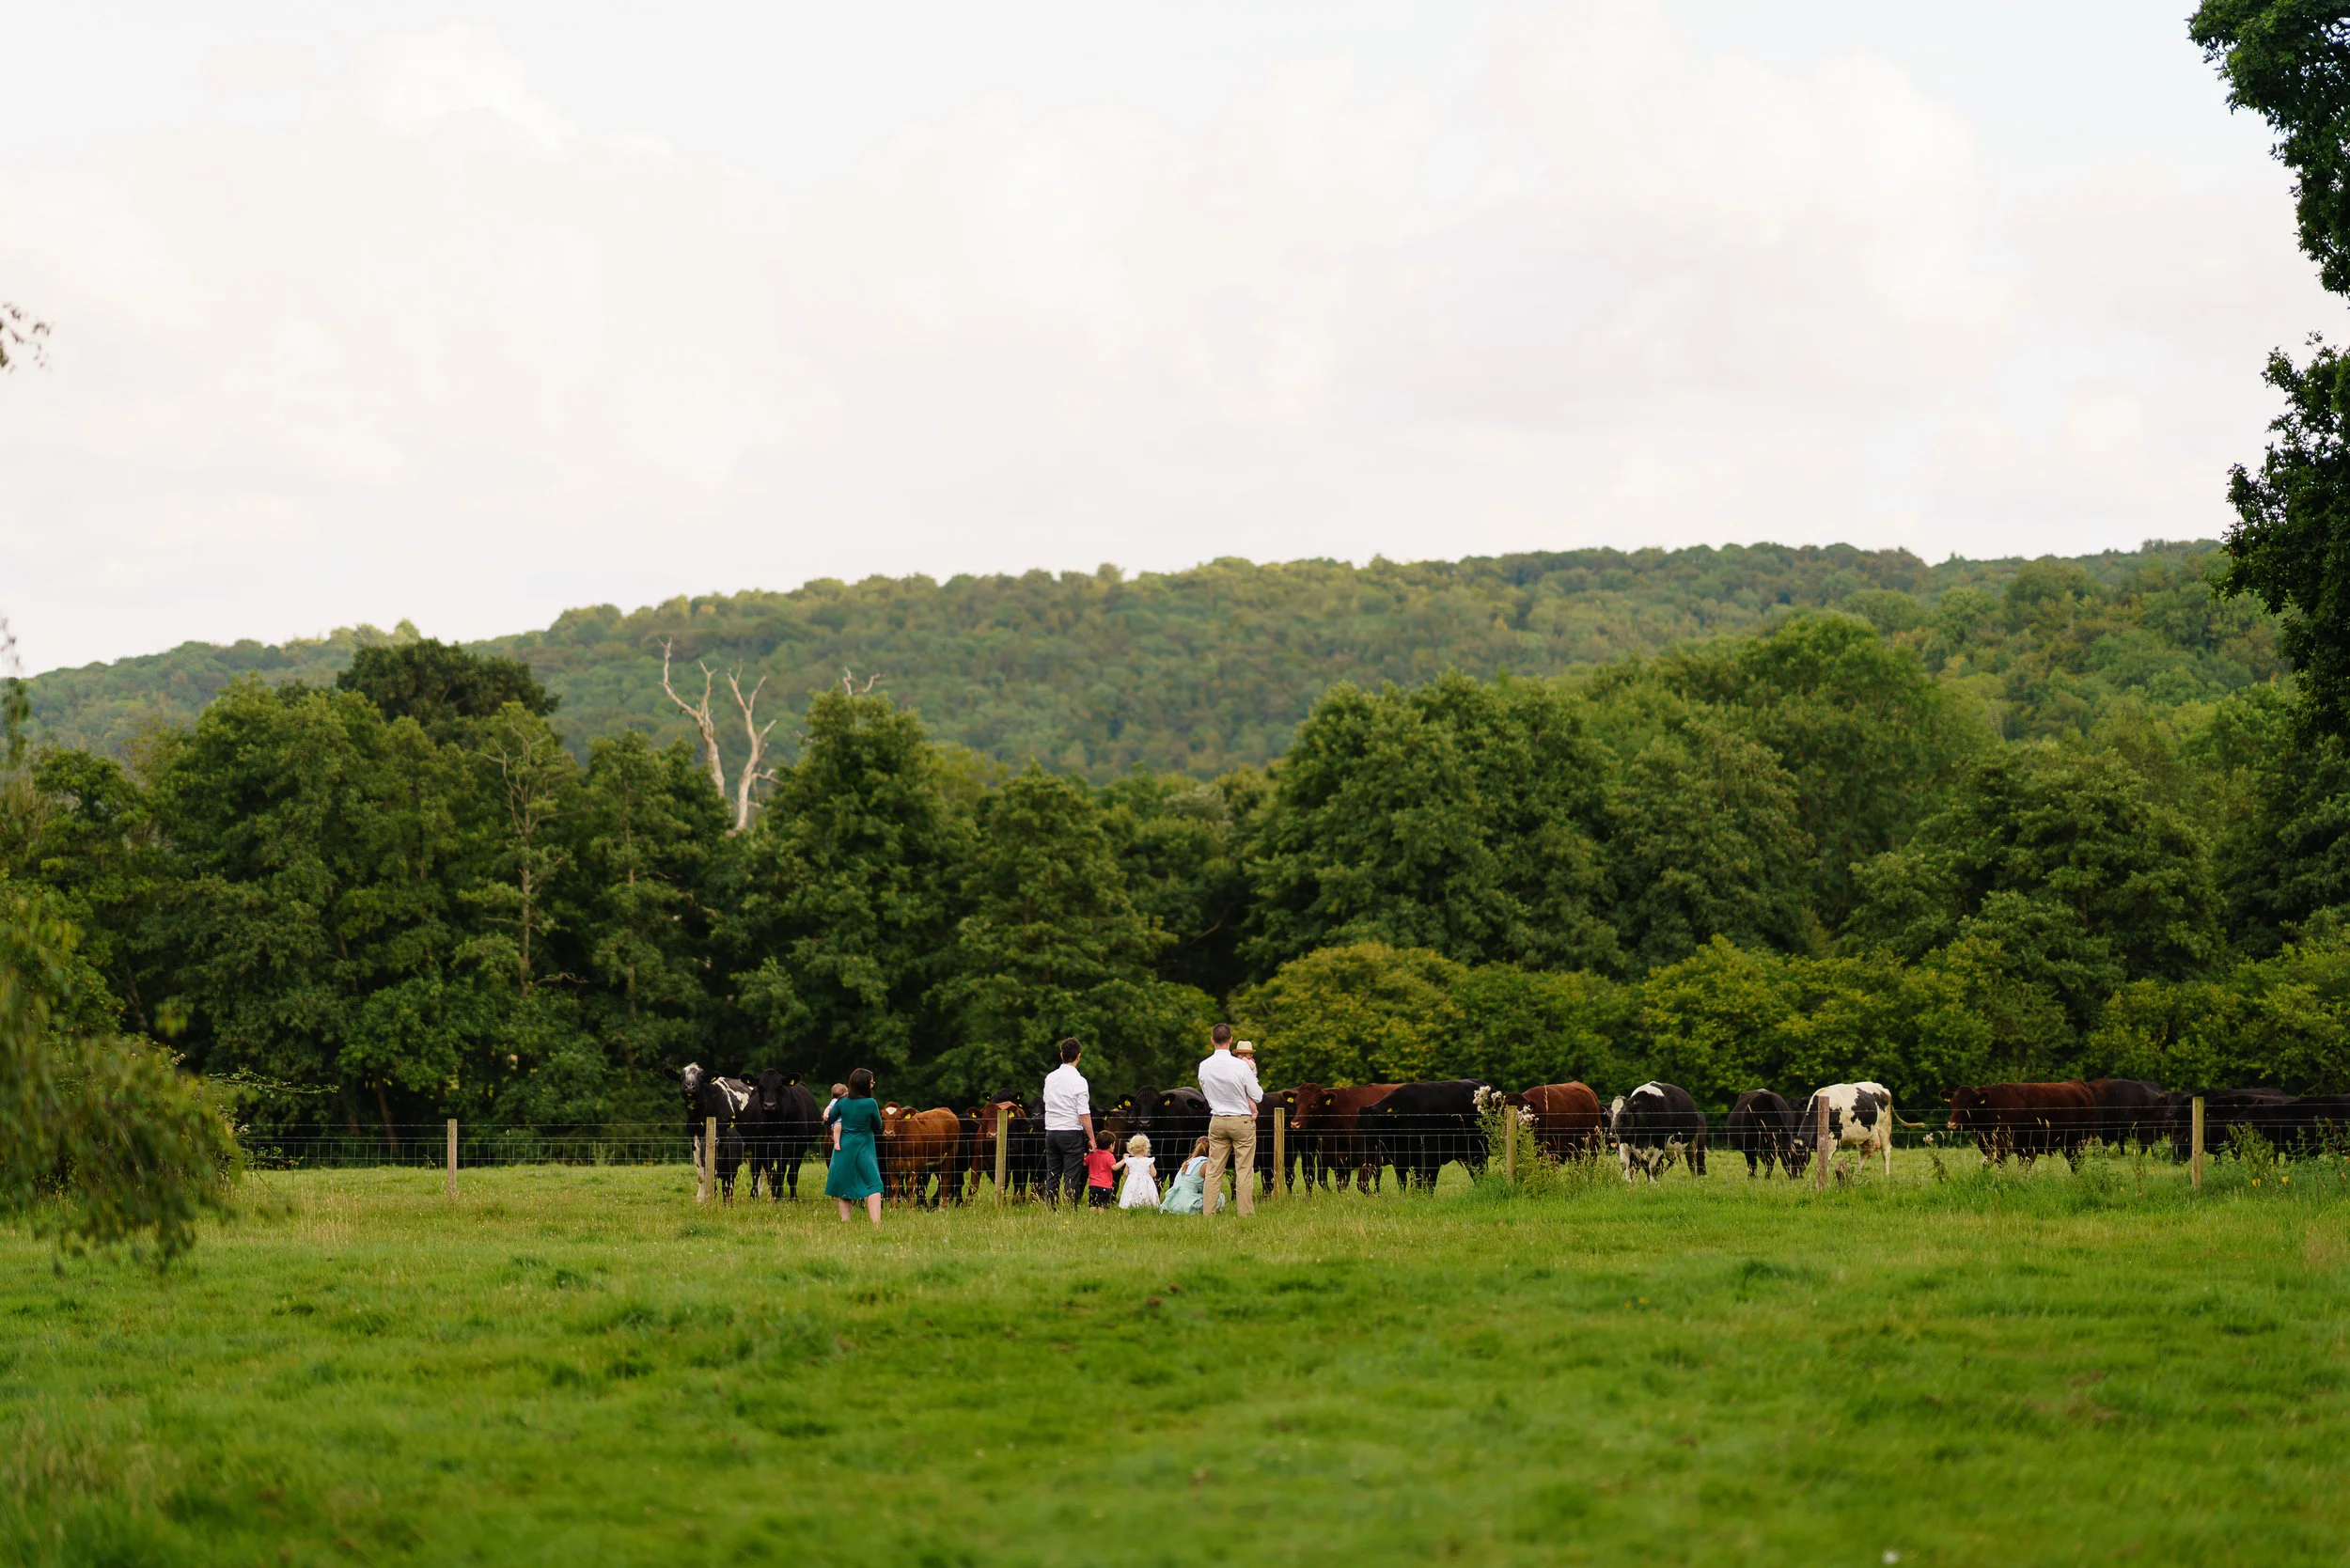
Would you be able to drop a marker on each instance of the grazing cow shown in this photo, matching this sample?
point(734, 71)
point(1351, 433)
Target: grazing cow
point(1331, 1120)
point(2129, 1108)
point(914, 1146)
point(1566, 1120)
point(1419, 1127)
point(1761, 1126)
point(2025, 1119)
point(1652, 1124)
point(2286, 1120)
point(707, 1096)
point(1859, 1115)
point(780, 1125)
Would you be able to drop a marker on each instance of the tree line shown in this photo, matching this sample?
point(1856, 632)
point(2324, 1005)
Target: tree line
point(1800, 855)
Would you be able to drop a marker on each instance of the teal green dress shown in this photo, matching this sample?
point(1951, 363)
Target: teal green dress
point(855, 1175)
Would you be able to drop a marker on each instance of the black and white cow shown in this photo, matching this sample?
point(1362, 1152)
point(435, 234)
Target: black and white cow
point(1859, 1115)
point(707, 1096)
point(1654, 1124)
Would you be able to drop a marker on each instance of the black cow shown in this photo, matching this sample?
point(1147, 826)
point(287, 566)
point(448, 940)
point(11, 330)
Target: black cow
point(1173, 1120)
point(781, 1124)
point(2259, 1110)
point(1419, 1128)
point(1284, 1101)
point(1761, 1126)
point(1651, 1124)
point(2129, 1108)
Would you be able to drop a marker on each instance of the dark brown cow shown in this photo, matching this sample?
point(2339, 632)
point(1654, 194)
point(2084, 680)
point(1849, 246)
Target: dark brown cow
point(1023, 1159)
point(2129, 1108)
point(2025, 1119)
point(1332, 1118)
point(1283, 1100)
point(914, 1146)
point(1565, 1119)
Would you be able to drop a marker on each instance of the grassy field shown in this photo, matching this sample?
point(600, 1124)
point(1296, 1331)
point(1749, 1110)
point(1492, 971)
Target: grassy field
point(576, 1366)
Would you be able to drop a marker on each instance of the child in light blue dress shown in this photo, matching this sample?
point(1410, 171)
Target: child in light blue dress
point(1188, 1192)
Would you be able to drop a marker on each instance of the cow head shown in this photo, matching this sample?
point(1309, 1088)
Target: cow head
point(771, 1086)
point(692, 1078)
point(1964, 1103)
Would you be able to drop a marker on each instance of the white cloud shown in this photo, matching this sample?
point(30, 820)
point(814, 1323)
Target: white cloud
point(435, 350)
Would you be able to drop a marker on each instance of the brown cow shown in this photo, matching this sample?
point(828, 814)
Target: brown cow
point(913, 1146)
point(1565, 1119)
point(1024, 1157)
point(1330, 1116)
point(2025, 1119)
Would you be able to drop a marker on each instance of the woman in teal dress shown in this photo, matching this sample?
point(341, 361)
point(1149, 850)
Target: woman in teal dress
point(856, 1123)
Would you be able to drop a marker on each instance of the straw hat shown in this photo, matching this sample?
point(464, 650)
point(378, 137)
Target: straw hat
point(1243, 1048)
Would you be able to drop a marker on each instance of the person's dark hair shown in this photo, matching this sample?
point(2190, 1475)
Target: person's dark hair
point(861, 1084)
point(1101, 1138)
point(1221, 1034)
point(1068, 1049)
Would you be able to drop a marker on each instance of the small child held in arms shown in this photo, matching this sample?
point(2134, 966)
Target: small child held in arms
point(1142, 1178)
point(1101, 1172)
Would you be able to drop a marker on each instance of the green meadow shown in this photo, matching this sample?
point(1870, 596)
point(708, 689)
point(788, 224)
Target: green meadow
point(580, 1366)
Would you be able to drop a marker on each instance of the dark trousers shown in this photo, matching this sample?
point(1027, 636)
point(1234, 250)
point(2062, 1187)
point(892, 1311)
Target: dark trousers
point(1064, 1157)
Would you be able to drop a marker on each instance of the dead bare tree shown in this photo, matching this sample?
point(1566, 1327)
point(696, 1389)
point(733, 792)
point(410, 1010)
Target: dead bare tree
point(848, 684)
point(701, 717)
point(751, 773)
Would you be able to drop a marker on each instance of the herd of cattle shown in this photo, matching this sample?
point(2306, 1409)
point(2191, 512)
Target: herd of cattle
point(769, 1125)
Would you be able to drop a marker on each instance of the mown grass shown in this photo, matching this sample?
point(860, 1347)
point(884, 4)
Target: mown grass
point(576, 1366)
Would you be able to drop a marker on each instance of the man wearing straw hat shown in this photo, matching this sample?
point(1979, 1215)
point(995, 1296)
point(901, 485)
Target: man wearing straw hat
point(1231, 1086)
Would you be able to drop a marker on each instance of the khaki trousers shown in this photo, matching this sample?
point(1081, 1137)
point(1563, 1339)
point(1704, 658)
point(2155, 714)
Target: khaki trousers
point(1233, 1139)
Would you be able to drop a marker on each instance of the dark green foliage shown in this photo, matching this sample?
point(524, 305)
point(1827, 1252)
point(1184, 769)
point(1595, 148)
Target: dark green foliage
point(2289, 62)
point(100, 1141)
point(2063, 859)
point(445, 689)
point(848, 895)
point(1458, 816)
point(1204, 672)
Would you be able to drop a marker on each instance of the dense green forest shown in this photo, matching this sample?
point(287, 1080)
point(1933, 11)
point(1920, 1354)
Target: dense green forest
point(1214, 668)
point(2068, 824)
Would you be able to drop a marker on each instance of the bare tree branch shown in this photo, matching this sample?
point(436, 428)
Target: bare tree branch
point(701, 717)
point(848, 684)
point(751, 773)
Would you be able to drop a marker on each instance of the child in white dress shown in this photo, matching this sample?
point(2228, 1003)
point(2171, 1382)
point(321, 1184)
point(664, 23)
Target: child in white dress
point(1142, 1183)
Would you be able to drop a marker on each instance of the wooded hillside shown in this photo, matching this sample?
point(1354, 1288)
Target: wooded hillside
point(1204, 671)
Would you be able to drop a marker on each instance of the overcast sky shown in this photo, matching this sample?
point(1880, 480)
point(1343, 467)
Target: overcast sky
point(469, 316)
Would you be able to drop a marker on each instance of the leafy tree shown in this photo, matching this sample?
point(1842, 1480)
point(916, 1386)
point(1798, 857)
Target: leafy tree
point(444, 688)
point(1862, 732)
point(2282, 858)
point(2064, 861)
point(1704, 843)
point(83, 828)
point(847, 902)
point(2289, 62)
point(1457, 817)
point(100, 1141)
point(314, 926)
point(1052, 946)
point(1360, 1013)
point(652, 845)
point(2283, 1021)
point(1180, 845)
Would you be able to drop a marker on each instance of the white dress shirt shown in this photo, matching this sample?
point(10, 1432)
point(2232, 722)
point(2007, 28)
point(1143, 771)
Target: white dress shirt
point(1065, 1099)
point(1230, 1086)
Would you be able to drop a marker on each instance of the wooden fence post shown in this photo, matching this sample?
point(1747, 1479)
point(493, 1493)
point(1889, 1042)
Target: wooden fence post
point(452, 1159)
point(1003, 1151)
point(1820, 1143)
point(1510, 1146)
point(709, 1161)
point(1280, 1152)
point(2195, 1144)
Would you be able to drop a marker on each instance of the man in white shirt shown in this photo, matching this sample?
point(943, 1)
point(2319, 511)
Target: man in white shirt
point(1230, 1086)
point(1068, 1126)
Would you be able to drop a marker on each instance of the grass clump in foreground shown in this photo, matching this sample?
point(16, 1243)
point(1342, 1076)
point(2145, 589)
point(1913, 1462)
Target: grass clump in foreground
point(578, 1366)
